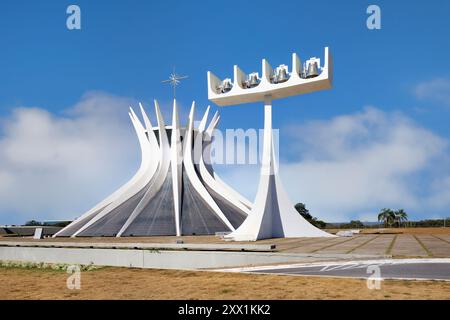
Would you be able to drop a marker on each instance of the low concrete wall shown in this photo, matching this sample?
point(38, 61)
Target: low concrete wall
point(25, 231)
point(147, 259)
point(145, 246)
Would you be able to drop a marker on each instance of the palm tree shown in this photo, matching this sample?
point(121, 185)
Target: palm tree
point(400, 216)
point(387, 216)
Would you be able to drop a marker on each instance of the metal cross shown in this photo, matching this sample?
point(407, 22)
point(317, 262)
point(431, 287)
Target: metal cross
point(174, 80)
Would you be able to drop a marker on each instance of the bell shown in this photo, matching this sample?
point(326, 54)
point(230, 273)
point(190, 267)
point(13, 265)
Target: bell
point(313, 70)
point(273, 78)
point(282, 74)
point(226, 85)
point(252, 80)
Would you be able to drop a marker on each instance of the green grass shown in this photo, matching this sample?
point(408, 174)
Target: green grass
point(44, 266)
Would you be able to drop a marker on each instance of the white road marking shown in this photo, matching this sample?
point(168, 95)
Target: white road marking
point(361, 264)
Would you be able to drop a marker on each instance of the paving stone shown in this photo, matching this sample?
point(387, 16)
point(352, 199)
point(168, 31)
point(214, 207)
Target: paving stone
point(347, 246)
point(446, 237)
point(377, 246)
point(407, 245)
point(316, 244)
point(438, 248)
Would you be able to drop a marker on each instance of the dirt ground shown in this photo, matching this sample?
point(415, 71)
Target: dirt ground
point(125, 283)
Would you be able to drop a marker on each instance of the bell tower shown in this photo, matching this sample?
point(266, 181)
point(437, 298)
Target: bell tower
point(272, 214)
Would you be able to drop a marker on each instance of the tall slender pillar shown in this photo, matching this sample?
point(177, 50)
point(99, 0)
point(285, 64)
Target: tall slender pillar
point(273, 215)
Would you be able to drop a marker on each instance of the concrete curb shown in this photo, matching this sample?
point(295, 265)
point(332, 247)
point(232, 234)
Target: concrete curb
point(158, 259)
point(143, 246)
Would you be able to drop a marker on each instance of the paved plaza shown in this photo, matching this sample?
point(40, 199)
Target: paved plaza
point(395, 245)
point(398, 245)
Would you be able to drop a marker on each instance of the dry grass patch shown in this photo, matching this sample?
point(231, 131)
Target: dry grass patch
point(124, 283)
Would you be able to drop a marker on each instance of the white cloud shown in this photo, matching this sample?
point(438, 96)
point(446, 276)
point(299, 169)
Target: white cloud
point(351, 166)
point(58, 166)
point(440, 197)
point(55, 167)
point(437, 90)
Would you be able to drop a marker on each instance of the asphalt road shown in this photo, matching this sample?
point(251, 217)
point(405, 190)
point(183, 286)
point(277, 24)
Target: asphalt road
point(384, 270)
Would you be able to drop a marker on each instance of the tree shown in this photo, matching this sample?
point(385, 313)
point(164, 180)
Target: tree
point(387, 216)
point(356, 224)
point(33, 223)
point(353, 224)
point(400, 216)
point(301, 208)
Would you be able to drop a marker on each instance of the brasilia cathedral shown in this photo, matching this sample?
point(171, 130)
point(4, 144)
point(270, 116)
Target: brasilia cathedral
point(176, 191)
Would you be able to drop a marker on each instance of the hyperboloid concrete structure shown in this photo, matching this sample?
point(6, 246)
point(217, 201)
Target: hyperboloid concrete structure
point(174, 192)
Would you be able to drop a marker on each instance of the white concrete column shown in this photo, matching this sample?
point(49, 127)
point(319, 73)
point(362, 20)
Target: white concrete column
point(272, 215)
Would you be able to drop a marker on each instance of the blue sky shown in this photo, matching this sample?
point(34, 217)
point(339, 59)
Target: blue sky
point(125, 48)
